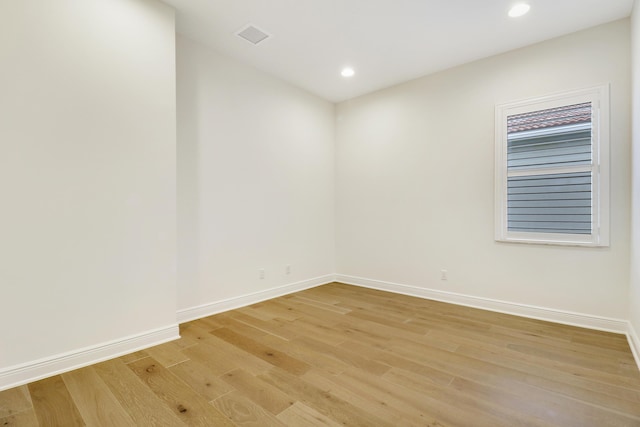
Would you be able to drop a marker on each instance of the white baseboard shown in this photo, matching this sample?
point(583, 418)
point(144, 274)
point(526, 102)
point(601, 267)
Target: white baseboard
point(552, 315)
point(32, 371)
point(18, 375)
point(634, 343)
point(216, 307)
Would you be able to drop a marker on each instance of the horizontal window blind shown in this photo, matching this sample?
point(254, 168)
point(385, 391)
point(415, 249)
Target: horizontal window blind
point(567, 148)
point(557, 203)
point(540, 198)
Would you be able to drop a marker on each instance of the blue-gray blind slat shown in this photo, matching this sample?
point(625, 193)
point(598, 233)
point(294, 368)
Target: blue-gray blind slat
point(550, 203)
point(583, 210)
point(542, 227)
point(571, 189)
point(534, 152)
point(546, 196)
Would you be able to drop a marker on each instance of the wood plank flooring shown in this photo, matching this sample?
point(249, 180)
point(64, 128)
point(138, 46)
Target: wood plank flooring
point(339, 355)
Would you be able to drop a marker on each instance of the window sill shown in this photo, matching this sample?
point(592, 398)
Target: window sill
point(554, 241)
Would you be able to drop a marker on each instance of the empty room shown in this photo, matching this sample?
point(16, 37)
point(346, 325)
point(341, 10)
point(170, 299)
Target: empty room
point(320, 213)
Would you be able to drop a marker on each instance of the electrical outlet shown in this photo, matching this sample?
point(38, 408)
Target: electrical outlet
point(443, 275)
point(261, 273)
point(287, 269)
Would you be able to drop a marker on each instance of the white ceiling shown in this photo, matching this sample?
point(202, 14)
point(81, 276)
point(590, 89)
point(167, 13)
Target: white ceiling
point(385, 41)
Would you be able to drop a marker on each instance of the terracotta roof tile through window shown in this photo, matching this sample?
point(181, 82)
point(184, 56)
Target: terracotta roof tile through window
point(552, 117)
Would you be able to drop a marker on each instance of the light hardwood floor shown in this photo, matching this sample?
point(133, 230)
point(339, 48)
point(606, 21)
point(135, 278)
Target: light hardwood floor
point(342, 355)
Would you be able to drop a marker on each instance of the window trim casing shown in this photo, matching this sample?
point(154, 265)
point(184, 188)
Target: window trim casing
point(600, 169)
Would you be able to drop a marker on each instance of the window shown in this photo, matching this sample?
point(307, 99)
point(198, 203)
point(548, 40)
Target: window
point(552, 169)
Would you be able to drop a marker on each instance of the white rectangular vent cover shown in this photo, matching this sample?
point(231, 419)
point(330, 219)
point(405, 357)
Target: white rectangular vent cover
point(253, 34)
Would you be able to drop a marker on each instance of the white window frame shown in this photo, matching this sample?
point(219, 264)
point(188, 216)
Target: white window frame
point(599, 98)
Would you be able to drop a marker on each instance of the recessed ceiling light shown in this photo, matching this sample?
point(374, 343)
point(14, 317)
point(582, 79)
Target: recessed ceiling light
point(347, 72)
point(519, 10)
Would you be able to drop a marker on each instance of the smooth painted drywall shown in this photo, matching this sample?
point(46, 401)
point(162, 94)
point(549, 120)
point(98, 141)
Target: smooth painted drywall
point(415, 180)
point(87, 174)
point(634, 295)
point(255, 180)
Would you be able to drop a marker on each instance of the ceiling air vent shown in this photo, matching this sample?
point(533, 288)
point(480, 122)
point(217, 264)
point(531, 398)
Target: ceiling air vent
point(253, 34)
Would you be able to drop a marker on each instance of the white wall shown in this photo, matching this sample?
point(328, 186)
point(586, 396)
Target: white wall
point(634, 296)
point(255, 181)
point(87, 175)
point(415, 180)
